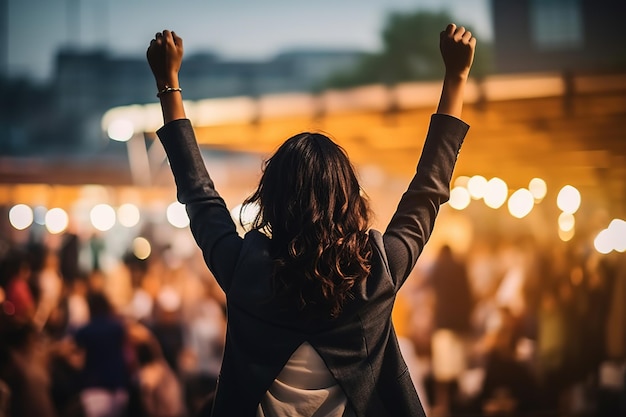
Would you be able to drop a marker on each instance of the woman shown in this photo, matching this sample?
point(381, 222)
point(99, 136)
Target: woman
point(310, 289)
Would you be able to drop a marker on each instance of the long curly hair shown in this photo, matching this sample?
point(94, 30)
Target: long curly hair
point(311, 205)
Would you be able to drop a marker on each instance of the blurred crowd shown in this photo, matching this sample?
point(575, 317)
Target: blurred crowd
point(513, 327)
point(141, 338)
point(504, 328)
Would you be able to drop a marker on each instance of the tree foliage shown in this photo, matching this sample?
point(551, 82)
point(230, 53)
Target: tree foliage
point(410, 52)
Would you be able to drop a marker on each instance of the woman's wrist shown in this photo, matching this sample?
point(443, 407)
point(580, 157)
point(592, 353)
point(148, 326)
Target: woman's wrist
point(167, 82)
point(456, 77)
point(168, 90)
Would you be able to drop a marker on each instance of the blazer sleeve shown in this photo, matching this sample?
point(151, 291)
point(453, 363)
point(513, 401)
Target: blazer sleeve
point(412, 223)
point(210, 221)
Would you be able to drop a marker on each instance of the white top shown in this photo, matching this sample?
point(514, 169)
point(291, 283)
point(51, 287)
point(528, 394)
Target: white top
point(305, 387)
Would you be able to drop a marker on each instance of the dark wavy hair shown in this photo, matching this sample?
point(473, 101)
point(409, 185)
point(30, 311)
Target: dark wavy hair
point(311, 205)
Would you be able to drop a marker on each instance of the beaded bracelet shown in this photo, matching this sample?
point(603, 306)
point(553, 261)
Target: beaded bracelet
point(168, 90)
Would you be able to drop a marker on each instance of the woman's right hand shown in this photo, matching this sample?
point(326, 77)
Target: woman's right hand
point(165, 55)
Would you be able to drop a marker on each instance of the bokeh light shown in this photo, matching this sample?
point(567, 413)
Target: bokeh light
point(141, 248)
point(568, 199)
point(566, 235)
point(102, 217)
point(459, 198)
point(39, 215)
point(477, 186)
point(121, 130)
point(56, 220)
point(461, 181)
point(177, 215)
point(496, 193)
point(128, 215)
point(602, 242)
point(21, 216)
point(538, 188)
point(612, 238)
point(617, 231)
point(521, 203)
point(566, 222)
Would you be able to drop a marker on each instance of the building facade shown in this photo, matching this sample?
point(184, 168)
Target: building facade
point(558, 35)
point(85, 84)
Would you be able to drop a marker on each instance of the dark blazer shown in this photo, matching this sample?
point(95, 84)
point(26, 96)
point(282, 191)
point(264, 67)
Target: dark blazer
point(360, 347)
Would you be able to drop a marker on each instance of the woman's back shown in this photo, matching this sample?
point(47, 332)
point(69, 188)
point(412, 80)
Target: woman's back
point(358, 345)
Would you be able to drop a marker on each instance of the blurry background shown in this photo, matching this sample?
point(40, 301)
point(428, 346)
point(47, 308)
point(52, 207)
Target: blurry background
point(538, 205)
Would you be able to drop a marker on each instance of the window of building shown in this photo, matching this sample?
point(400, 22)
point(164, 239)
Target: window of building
point(556, 24)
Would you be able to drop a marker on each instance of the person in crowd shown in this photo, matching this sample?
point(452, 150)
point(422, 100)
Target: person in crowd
point(160, 390)
point(611, 393)
point(77, 306)
point(65, 363)
point(48, 279)
point(167, 326)
point(68, 257)
point(205, 328)
point(5, 395)
point(23, 368)
point(551, 348)
point(453, 308)
point(509, 386)
point(15, 273)
point(105, 373)
point(310, 288)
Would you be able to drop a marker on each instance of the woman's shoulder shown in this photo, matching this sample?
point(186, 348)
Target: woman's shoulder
point(376, 237)
point(255, 241)
point(256, 235)
point(379, 254)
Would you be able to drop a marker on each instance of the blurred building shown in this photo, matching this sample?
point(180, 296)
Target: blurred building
point(86, 84)
point(558, 35)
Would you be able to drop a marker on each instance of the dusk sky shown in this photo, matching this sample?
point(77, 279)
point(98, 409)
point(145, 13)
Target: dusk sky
point(246, 29)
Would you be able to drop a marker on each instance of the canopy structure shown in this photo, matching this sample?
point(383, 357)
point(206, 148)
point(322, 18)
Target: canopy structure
point(564, 129)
